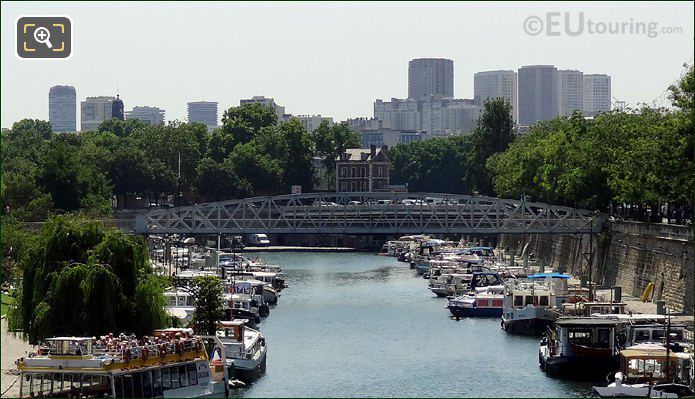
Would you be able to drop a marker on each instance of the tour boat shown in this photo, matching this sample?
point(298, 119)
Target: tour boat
point(531, 306)
point(483, 302)
point(650, 370)
point(245, 349)
point(254, 289)
point(581, 347)
point(178, 367)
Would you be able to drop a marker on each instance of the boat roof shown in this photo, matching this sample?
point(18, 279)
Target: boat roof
point(552, 275)
point(650, 350)
point(587, 321)
point(68, 339)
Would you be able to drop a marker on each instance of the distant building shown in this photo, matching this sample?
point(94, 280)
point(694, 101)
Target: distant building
point(320, 174)
point(597, 94)
point(204, 112)
point(495, 84)
point(117, 109)
point(62, 108)
point(570, 92)
point(362, 170)
point(537, 93)
point(312, 122)
point(432, 115)
point(268, 102)
point(149, 115)
point(430, 76)
point(373, 132)
point(94, 110)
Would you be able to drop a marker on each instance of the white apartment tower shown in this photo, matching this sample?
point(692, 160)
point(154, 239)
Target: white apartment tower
point(495, 84)
point(597, 94)
point(570, 92)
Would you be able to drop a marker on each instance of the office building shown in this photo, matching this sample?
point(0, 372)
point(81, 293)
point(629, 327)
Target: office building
point(94, 110)
point(149, 115)
point(537, 93)
point(204, 112)
point(495, 84)
point(597, 94)
point(570, 92)
point(62, 108)
point(268, 102)
point(430, 76)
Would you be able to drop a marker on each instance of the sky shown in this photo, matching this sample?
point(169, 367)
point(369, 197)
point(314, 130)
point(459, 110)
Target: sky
point(333, 59)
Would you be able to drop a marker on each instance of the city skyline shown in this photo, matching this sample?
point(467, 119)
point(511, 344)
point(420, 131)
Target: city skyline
point(322, 86)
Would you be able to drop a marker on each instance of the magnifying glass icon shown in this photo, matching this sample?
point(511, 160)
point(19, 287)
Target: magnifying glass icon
point(43, 36)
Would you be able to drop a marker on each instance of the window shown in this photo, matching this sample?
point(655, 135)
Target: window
point(380, 172)
point(174, 372)
point(118, 382)
point(192, 374)
point(137, 385)
point(353, 172)
point(543, 301)
point(343, 186)
point(529, 299)
point(363, 172)
point(183, 376)
point(147, 384)
point(157, 382)
point(582, 337)
point(128, 386)
point(353, 186)
point(642, 335)
point(604, 337)
point(380, 184)
point(166, 380)
point(343, 171)
point(483, 303)
point(518, 300)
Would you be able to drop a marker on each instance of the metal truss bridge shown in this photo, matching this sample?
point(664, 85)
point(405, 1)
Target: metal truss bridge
point(369, 213)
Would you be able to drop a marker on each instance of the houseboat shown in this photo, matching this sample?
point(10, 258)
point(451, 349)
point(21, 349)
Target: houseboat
point(582, 347)
point(532, 305)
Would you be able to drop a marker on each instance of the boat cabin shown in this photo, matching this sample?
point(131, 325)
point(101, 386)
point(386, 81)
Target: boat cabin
point(586, 337)
point(645, 363)
point(593, 308)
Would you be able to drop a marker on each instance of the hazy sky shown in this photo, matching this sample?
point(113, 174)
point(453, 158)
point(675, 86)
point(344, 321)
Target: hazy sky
point(331, 59)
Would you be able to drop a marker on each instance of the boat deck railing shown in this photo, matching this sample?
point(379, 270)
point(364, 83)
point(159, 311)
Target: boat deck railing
point(152, 350)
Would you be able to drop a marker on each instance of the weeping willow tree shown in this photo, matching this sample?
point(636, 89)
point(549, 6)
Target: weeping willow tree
point(80, 279)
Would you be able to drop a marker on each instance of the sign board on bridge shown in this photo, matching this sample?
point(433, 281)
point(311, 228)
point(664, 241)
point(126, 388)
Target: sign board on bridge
point(296, 190)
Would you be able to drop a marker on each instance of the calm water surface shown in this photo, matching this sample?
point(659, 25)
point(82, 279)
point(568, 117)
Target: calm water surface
point(366, 325)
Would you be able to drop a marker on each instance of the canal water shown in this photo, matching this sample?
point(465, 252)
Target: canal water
point(355, 324)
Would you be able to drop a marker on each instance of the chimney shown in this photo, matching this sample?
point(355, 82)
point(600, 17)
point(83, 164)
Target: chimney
point(373, 150)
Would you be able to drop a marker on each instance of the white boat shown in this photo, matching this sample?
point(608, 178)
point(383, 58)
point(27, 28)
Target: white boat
point(79, 367)
point(483, 302)
point(245, 349)
point(649, 370)
point(531, 306)
point(179, 303)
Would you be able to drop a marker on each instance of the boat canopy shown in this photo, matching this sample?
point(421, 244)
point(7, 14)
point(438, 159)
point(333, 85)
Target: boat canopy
point(552, 275)
point(649, 351)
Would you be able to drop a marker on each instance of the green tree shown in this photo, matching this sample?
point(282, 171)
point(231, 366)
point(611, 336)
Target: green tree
point(251, 164)
point(331, 141)
point(245, 122)
point(82, 280)
point(218, 180)
point(298, 169)
point(209, 309)
point(493, 135)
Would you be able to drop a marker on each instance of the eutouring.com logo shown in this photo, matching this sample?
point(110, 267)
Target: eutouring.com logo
point(577, 24)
